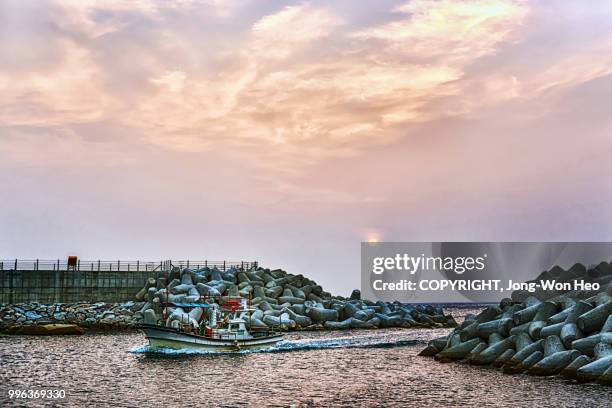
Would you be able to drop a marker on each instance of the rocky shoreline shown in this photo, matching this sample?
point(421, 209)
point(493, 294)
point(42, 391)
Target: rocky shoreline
point(281, 300)
point(21, 318)
point(568, 334)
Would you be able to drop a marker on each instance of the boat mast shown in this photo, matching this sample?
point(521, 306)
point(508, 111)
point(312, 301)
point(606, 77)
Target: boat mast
point(166, 303)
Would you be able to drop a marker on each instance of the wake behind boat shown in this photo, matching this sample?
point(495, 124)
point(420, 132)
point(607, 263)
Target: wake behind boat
point(205, 326)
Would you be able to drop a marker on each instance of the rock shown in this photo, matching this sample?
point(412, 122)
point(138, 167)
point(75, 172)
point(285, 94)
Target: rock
point(552, 345)
point(458, 351)
point(607, 326)
point(364, 314)
point(545, 310)
point(488, 314)
point(345, 324)
point(32, 316)
point(355, 294)
point(60, 316)
point(559, 317)
point(470, 331)
point(469, 358)
point(489, 354)
point(514, 364)
point(521, 341)
point(573, 332)
point(595, 318)
point(318, 314)
point(181, 289)
point(273, 292)
point(434, 346)
point(533, 359)
point(299, 293)
point(569, 333)
point(140, 296)
point(300, 320)
point(215, 274)
point(256, 323)
point(186, 278)
point(554, 363)
point(587, 345)
point(501, 326)
point(290, 299)
point(606, 377)
point(550, 330)
point(388, 321)
point(571, 370)
point(429, 351)
point(207, 291)
point(282, 322)
point(359, 324)
point(526, 315)
point(593, 370)
point(503, 358)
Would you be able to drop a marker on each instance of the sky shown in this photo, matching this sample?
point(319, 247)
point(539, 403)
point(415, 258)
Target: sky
point(289, 131)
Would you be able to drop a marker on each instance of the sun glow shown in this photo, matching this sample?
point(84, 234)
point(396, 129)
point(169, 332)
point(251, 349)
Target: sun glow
point(373, 238)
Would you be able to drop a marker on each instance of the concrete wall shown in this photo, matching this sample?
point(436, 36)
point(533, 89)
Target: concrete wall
point(71, 286)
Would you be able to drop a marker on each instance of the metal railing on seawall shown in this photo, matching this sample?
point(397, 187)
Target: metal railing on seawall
point(110, 266)
point(60, 281)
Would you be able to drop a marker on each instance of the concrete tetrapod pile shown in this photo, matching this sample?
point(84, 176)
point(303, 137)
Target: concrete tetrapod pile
point(563, 335)
point(281, 300)
point(600, 275)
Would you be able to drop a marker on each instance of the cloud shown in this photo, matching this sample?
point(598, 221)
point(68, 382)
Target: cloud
point(304, 84)
point(282, 34)
point(66, 92)
point(447, 30)
point(291, 87)
point(96, 18)
point(292, 131)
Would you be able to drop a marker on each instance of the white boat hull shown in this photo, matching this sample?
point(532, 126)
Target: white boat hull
point(165, 338)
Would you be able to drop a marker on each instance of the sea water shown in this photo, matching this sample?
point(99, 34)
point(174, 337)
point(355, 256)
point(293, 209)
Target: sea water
point(337, 368)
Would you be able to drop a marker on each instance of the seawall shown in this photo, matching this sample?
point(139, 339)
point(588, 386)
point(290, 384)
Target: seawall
point(47, 282)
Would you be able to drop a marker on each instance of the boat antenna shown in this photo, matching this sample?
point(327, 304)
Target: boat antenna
point(249, 311)
point(166, 302)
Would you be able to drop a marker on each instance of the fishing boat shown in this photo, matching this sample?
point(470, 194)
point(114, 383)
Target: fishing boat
point(220, 325)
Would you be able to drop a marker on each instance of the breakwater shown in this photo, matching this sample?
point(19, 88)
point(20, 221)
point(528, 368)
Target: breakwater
point(568, 334)
point(282, 300)
point(600, 275)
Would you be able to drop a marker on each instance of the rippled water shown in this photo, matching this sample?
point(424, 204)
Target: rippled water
point(356, 368)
